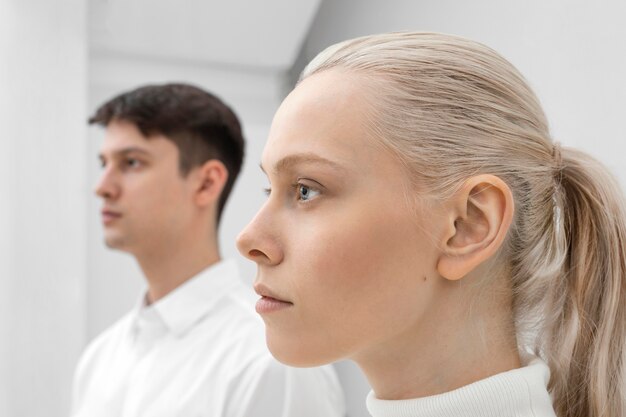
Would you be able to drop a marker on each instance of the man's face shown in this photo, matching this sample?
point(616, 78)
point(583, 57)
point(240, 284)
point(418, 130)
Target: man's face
point(146, 202)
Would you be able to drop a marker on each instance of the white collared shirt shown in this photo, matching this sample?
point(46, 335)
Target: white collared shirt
point(199, 351)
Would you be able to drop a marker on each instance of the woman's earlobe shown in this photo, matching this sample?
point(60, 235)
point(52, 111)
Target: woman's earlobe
point(480, 217)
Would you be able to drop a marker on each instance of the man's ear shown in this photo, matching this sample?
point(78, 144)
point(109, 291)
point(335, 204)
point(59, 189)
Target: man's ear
point(479, 218)
point(212, 176)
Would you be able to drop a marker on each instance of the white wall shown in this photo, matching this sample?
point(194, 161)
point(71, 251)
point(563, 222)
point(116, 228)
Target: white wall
point(261, 34)
point(42, 203)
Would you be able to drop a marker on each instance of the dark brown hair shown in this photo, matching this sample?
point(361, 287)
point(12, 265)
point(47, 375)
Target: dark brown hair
point(199, 123)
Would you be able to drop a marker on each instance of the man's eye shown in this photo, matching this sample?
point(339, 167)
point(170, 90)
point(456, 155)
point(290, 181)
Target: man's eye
point(133, 163)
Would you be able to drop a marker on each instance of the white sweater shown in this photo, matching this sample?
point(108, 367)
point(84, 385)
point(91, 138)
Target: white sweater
point(517, 393)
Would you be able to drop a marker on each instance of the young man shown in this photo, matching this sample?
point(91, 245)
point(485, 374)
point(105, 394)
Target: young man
point(193, 346)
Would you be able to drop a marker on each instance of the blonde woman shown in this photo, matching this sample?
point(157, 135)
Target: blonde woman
point(422, 222)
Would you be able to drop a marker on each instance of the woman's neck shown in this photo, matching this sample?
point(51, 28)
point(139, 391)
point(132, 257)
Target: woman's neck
point(439, 355)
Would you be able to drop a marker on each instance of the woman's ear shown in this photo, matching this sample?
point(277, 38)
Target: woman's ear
point(211, 178)
point(479, 218)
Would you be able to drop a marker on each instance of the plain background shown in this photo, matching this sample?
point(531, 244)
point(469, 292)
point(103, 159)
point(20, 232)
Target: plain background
point(59, 285)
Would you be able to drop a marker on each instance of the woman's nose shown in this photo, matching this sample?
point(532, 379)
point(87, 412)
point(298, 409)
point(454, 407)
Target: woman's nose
point(256, 244)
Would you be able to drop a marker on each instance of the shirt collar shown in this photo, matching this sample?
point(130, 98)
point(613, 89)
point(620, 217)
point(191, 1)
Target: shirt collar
point(193, 299)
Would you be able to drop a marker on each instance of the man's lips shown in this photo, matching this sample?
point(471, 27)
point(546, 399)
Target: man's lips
point(109, 216)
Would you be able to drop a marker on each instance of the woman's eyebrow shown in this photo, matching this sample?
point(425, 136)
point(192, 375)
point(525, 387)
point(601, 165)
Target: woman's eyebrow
point(290, 161)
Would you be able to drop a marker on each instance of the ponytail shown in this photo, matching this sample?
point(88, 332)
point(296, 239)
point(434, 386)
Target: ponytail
point(585, 334)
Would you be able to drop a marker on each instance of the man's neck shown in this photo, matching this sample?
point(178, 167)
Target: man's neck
point(167, 269)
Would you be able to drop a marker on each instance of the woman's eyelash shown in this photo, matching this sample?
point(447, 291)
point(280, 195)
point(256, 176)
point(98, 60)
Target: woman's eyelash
point(304, 192)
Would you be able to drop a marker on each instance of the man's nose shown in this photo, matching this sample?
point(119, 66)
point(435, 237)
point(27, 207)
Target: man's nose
point(107, 186)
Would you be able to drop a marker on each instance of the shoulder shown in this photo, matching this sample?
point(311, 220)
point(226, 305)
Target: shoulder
point(96, 359)
point(103, 345)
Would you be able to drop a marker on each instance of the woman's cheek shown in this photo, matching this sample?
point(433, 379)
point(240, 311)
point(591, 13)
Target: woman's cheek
point(345, 256)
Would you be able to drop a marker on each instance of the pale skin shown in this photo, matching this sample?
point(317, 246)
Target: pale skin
point(167, 221)
point(366, 267)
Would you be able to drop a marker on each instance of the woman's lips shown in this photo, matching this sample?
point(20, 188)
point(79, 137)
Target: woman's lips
point(270, 301)
point(268, 305)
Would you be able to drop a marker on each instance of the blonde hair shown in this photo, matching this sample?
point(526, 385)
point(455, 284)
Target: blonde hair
point(451, 108)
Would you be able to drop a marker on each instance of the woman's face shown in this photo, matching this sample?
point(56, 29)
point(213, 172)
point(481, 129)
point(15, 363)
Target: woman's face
point(345, 262)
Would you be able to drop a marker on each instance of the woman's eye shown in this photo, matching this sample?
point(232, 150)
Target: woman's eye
point(306, 193)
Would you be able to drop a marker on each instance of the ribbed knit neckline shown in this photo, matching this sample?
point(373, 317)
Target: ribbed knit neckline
point(520, 392)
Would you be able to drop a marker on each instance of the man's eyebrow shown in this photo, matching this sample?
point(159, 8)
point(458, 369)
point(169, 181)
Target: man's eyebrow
point(290, 161)
point(126, 151)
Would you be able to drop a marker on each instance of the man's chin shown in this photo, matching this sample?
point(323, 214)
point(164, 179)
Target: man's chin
point(115, 242)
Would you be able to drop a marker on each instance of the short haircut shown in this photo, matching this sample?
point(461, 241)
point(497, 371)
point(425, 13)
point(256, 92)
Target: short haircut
point(199, 124)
